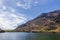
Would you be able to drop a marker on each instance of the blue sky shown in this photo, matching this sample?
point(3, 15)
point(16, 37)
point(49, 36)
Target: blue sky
point(16, 12)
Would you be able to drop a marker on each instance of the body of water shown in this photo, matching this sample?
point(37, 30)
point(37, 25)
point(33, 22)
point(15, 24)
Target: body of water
point(29, 36)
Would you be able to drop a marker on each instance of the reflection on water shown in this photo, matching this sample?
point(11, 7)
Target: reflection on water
point(29, 36)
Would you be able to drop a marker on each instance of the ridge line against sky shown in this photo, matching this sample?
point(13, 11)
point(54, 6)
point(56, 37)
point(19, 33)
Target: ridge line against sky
point(17, 12)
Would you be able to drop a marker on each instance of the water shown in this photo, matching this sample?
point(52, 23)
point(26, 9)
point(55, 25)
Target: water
point(29, 36)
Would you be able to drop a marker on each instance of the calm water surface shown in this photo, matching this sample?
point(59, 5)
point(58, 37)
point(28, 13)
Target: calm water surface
point(29, 36)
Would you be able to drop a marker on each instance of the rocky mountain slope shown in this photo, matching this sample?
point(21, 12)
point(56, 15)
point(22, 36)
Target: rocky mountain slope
point(46, 22)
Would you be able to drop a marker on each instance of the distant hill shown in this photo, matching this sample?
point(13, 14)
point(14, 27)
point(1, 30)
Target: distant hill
point(1, 31)
point(46, 22)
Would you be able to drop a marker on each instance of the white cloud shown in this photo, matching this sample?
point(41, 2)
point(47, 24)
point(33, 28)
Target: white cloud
point(36, 2)
point(10, 18)
point(25, 5)
point(12, 9)
point(18, 4)
point(28, 3)
point(4, 7)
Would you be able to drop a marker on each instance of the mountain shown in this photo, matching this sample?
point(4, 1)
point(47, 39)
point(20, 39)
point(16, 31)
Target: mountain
point(46, 22)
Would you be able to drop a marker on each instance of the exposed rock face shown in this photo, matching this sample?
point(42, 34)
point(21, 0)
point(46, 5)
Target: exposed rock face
point(46, 22)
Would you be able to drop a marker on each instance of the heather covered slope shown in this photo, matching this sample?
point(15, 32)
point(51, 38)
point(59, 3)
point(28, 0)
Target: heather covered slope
point(46, 22)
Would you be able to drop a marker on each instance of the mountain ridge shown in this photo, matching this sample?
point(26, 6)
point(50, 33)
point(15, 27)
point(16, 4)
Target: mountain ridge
point(46, 22)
